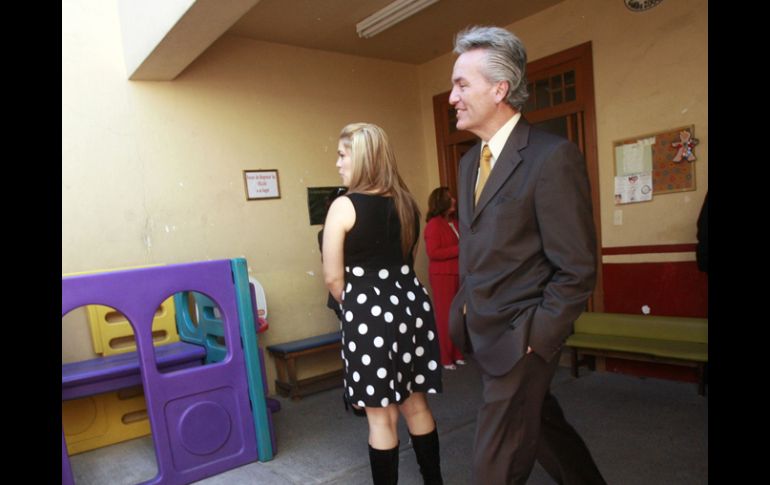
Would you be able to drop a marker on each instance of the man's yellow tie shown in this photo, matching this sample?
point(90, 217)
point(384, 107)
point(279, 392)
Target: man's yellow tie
point(485, 166)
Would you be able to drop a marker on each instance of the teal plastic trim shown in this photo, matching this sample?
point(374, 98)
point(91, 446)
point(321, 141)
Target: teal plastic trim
point(251, 352)
point(207, 330)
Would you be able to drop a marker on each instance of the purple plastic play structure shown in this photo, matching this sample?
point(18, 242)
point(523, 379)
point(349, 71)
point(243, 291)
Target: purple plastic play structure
point(201, 418)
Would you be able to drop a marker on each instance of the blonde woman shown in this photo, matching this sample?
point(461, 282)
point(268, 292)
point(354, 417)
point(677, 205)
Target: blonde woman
point(390, 345)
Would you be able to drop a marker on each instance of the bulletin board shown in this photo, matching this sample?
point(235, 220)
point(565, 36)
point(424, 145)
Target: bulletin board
point(667, 175)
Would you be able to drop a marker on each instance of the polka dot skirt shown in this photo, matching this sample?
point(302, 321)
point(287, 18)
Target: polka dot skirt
point(389, 342)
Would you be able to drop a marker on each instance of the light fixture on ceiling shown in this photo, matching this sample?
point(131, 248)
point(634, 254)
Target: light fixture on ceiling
point(390, 16)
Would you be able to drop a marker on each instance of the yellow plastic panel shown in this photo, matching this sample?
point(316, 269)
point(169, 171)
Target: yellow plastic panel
point(112, 334)
point(104, 419)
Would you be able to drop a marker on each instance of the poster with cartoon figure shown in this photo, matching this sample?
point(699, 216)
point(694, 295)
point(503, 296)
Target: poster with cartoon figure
point(633, 188)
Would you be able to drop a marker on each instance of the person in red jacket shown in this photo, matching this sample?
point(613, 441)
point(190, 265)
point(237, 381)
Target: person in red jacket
point(441, 242)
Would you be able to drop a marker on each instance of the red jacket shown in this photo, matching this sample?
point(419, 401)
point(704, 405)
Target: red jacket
point(441, 244)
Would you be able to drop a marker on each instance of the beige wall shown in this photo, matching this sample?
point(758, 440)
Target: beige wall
point(650, 74)
point(152, 172)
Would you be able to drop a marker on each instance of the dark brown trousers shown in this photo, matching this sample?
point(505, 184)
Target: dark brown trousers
point(521, 421)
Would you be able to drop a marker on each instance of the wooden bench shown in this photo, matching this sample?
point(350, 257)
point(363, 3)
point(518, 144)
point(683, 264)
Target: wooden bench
point(669, 340)
point(285, 356)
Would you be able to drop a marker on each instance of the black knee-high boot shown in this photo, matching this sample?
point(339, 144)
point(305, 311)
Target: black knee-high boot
point(427, 450)
point(384, 466)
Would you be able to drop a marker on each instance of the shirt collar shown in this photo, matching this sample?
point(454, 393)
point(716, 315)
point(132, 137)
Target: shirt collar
point(497, 142)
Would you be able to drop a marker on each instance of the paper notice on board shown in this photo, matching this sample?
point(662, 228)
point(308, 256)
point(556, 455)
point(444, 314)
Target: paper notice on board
point(634, 158)
point(633, 188)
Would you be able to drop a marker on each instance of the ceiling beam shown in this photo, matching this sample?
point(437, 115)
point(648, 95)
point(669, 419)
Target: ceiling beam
point(160, 39)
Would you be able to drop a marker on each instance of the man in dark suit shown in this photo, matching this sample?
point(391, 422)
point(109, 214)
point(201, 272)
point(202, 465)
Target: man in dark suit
point(527, 265)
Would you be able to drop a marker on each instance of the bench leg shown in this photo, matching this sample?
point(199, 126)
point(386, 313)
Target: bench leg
point(292, 367)
point(701, 380)
point(574, 363)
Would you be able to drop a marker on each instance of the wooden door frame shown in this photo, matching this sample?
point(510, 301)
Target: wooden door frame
point(581, 56)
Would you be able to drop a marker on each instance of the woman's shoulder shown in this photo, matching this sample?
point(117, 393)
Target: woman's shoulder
point(435, 222)
point(341, 207)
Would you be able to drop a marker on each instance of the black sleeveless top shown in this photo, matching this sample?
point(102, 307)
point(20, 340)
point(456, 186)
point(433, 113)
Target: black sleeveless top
point(374, 241)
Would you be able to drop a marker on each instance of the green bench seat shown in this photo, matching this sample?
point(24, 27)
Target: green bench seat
point(670, 340)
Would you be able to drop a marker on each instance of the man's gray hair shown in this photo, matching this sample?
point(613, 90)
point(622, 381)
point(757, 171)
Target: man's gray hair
point(506, 59)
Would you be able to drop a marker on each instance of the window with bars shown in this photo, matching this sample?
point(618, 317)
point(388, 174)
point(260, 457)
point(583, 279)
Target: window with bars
point(551, 91)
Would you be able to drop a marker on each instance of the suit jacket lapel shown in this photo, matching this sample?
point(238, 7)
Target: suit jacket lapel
point(504, 166)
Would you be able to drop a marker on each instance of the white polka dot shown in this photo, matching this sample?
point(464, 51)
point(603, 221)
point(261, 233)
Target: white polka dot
point(404, 269)
point(402, 328)
point(388, 317)
point(370, 390)
point(407, 357)
point(400, 377)
point(391, 384)
point(361, 404)
point(431, 391)
point(379, 342)
point(398, 285)
point(342, 354)
point(419, 379)
point(394, 299)
point(414, 339)
point(408, 311)
point(348, 288)
point(395, 346)
point(419, 351)
point(430, 335)
point(349, 316)
point(384, 401)
point(382, 373)
point(398, 396)
point(376, 310)
point(424, 290)
point(410, 295)
point(350, 391)
point(418, 322)
point(409, 386)
point(358, 271)
point(365, 359)
point(376, 290)
point(432, 365)
point(362, 329)
point(356, 376)
point(416, 281)
point(361, 299)
point(383, 274)
point(426, 306)
point(352, 346)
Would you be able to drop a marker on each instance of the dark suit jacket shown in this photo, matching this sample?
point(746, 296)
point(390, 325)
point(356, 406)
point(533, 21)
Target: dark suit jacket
point(527, 252)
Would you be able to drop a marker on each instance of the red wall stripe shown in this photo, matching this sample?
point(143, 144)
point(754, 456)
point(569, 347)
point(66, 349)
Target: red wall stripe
point(661, 248)
point(670, 288)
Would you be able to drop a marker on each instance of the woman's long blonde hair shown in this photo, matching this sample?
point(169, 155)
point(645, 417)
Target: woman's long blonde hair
point(375, 171)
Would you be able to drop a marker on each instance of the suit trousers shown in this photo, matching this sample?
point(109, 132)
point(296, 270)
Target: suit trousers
point(521, 421)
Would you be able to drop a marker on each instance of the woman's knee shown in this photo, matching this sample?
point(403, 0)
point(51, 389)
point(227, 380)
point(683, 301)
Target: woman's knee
point(382, 417)
point(414, 405)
